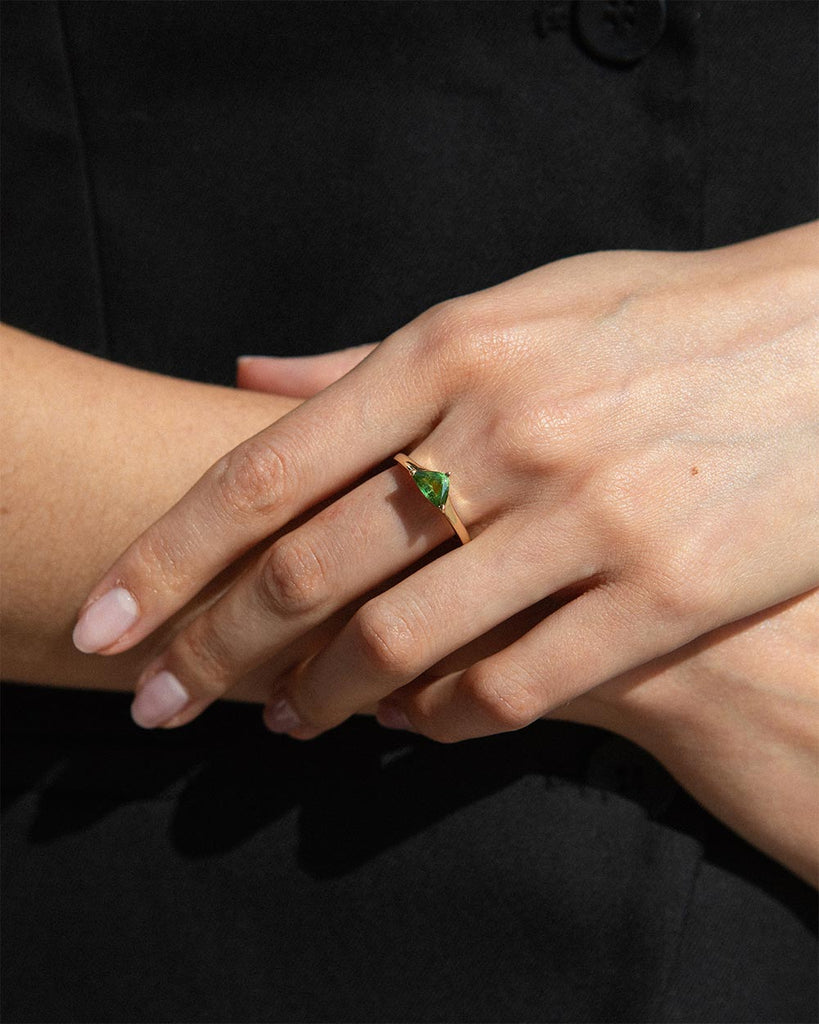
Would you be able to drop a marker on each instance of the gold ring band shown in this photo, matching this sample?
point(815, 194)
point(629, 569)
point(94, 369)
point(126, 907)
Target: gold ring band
point(435, 488)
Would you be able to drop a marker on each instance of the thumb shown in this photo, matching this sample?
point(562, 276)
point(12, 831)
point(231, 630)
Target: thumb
point(297, 376)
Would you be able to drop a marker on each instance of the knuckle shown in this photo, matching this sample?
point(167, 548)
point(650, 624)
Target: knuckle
point(549, 432)
point(465, 341)
point(507, 703)
point(253, 479)
point(445, 323)
point(292, 578)
point(161, 561)
point(617, 498)
point(387, 641)
point(681, 593)
point(522, 434)
point(449, 333)
point(202, 658)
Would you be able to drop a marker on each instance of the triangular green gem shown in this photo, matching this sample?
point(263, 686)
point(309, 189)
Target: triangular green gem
point(434, 486)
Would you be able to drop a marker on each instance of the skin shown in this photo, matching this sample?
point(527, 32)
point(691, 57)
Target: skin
point(92, 453)
point(735, 716)
point(635, 430)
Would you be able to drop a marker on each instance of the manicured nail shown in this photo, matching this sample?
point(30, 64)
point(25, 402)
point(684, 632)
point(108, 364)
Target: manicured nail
point(160, 699)
point(105, 620)
point(392, 717)
point(281, 716)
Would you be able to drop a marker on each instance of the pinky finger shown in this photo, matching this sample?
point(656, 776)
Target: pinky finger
point(592, 639)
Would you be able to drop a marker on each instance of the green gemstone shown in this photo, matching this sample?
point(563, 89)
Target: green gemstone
point(434, 486)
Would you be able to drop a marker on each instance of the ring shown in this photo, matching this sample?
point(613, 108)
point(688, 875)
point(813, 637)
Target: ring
point(435, 488)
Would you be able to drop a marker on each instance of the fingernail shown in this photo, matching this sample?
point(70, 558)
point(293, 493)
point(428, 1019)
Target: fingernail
point(105, 620)
point(281, 716)
point(160, 699)
point(392, 717)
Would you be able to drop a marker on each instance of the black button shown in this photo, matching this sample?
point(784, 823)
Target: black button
point(619, 31)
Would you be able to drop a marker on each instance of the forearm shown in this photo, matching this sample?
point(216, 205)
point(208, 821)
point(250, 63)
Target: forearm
point(93, 452)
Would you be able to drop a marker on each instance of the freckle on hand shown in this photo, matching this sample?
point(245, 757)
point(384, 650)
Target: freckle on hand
point(694, 471)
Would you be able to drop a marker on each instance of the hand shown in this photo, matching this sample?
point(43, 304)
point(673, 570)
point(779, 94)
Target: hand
point(734, 715)
point(634, 430)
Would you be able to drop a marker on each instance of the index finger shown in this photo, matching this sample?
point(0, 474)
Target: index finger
point(309, 454)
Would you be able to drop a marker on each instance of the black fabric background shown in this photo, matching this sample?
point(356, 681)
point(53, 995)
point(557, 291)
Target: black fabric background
point(183, 183)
